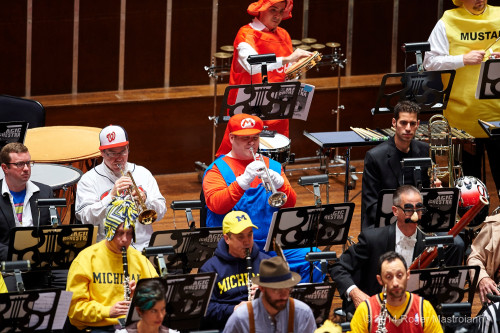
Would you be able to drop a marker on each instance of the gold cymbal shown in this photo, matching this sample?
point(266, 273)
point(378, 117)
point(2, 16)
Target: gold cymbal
point(318, 46)
point(309, 40)
point(304, 47)
point(296, 42)
point(332, 44)
point(227, 48)
point(222, 55)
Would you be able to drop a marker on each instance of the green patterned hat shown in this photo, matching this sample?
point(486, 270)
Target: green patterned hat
point(120, 211)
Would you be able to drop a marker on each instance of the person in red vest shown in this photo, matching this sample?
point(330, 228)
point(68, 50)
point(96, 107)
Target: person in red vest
point(395, 308)
point(263, 35)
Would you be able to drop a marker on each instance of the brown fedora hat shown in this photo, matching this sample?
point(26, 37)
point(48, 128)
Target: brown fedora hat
point(274, 273)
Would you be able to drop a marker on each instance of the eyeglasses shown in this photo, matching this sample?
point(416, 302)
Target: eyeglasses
point(113, 154)
point(409, 209)
point(21, 165)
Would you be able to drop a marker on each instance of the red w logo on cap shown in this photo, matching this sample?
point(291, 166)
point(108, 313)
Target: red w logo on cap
point(111, 136)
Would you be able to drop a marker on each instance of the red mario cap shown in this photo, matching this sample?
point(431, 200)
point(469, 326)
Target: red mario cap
point(245, 124)
point(263, 5)
point(113, 136)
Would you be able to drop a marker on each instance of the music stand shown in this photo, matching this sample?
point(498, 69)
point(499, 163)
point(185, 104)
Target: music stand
point(47, 247)
point(488, 84)
point(418, 87)
point(266, 101)
point(12, 131)
point(318, 296)
point(441, 204)
point(36, 310)
point(444, 284)
point(187, 298)
point(192, 247)
point(492, 128)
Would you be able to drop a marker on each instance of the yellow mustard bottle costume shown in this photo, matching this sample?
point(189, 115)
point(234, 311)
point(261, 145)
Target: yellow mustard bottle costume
point(468, 32)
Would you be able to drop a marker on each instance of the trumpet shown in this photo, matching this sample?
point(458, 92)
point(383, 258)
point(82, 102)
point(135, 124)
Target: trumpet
point(277, 199)
point(146, 216)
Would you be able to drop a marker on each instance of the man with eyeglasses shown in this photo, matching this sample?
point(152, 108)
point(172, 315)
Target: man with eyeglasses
point(19, 194)
point(97, 188)
point(234, 182)
point(356, 270)
point(382, 167)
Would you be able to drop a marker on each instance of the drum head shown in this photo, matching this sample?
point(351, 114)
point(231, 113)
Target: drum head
point(279, 141)
point(54, 175)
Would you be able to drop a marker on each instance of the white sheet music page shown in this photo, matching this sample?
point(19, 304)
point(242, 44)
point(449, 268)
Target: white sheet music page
point(45, 302)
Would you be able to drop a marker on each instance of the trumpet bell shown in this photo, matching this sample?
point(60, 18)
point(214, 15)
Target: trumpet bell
point(147, 216)
point(277, 199)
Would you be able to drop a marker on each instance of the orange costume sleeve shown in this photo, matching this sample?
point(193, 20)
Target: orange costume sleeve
point(221, 198)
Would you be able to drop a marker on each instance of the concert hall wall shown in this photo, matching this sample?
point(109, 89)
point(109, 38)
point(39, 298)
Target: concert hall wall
point(83, 59)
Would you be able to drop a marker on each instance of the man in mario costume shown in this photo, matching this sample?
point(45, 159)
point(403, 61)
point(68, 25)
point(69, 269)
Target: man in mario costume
point(234, 182)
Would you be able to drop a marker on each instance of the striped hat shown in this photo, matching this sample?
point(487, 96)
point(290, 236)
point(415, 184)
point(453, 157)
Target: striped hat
point(121, 210)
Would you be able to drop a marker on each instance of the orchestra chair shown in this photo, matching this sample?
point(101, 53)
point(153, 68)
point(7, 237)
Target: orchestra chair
point(21, 109)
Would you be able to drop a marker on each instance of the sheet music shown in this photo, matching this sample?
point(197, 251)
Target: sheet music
point(268, 245)
point(46, 302)
point(303, 103)
point(493, 73)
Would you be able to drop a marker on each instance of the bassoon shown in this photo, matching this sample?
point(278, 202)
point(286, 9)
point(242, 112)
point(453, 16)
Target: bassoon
point(429, 254)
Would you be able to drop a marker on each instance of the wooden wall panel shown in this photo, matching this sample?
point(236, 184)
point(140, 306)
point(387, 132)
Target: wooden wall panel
point(191, 39)
point(328, 23)
point(99, 38)
point(52, 56)
point(372, 40)
point(416, 21)
point(13, 51)
point(145, 44)
point(232, 16)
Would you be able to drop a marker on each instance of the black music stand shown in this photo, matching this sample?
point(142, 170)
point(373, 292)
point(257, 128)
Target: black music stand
point(441, 204)
point(444, 284)
point(36, 310)
point(267, 101)
point(12, 131)
point(187, 298)
point(421, 88)
point(318, 296)
point(49, 248)
point(192, 247)
point(310, 226)
point(492, 128)
point(488, 85)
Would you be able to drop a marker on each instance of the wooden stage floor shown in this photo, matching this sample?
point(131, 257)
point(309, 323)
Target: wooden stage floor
point(186, 186)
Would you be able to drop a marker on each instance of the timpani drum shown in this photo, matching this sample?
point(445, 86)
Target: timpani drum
point(276, 148)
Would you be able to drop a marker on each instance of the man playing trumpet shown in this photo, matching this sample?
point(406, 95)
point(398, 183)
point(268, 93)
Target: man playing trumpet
point(236, 260)
point(97, 188)
point(235, 182)
point(96, 276)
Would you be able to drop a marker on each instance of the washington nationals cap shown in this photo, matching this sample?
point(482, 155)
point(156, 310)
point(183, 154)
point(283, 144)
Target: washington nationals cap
point(113, 136)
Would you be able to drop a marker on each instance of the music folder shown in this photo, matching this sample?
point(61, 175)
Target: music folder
point(444, 285)
point(487, 84)
point(187, 297)
point(35, 310)
point(310, 226)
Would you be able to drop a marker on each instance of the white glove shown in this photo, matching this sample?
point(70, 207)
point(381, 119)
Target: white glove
point(276, 178)
point(254, 169)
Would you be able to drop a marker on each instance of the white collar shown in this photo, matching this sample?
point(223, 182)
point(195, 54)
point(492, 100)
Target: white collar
point(400, 235)
point(258, 25)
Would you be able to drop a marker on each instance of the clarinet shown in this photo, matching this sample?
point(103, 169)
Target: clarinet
point(248, 259)
point(382, 318)
point(126, 279)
